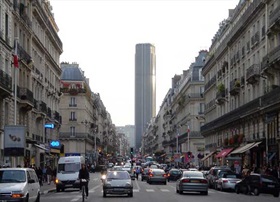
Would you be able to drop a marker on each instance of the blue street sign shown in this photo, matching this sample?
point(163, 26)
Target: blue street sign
point(55, 144)
point(49, 125)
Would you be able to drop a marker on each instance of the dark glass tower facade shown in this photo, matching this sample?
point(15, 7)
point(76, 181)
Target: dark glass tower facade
point(145, 89)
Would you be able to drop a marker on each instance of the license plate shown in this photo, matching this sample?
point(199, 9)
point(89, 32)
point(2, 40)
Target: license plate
point(195, 181)
point(271, 186)
point(118, 189)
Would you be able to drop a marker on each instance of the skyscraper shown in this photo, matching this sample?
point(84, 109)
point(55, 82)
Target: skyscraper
point(145, 88)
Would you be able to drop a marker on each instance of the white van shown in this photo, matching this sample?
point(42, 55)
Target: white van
point(68, 172)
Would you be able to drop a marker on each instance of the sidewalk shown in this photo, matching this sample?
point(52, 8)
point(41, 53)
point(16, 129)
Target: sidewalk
point(46, 188)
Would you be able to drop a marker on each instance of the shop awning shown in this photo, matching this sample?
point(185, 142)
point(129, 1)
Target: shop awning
point(245, 148)
point(41, 147)
point(224, 153)
point(207, 156)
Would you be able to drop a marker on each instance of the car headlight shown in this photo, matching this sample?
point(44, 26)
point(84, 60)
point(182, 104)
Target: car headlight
point(17, 194)
point(57, 181)
point(107, 184)
point(103, 177)
point(128, 185)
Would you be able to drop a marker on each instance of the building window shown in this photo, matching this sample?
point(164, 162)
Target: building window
point(72, 102)
point(72, 116)
point(72, 131)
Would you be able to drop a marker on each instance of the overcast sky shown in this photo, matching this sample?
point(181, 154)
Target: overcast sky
point(101, 36)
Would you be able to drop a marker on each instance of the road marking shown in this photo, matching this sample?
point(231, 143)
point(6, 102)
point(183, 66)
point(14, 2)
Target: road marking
point(150, 190)
point(75, 199)
point(137, 185)
point(164, 190)
point(96, 187)
point(136, 190)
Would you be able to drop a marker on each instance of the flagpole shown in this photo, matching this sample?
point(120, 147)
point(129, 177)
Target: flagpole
point(15, 87)
point(188, 138)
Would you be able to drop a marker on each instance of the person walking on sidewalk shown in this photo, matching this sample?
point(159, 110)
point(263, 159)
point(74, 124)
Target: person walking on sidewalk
point(49, 174)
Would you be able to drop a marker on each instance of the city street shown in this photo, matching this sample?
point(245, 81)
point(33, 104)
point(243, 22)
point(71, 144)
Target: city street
point(155, 192)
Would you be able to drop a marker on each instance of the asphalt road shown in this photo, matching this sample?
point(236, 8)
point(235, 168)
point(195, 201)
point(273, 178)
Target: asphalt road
point(144, 192)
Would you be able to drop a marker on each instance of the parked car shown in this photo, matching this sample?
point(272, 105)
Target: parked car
point(157, 175)
point(174, 174)
point(145, 174)
point(192, 181)
point(212, 175)
point(220, 174)
point(19, 184)
point(118, 183)
point(258, 183)
point(227, 181)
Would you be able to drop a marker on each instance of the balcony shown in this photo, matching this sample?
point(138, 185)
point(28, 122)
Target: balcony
point(221, 97)
point(235, 87)
point(49, 112)
point(43, 107)
point(73, 91)
point(253, 74)
point(5, 84)
point(26, 98)
point(78, 136)
point(255, 106)
point(274, 20)
point(211, 82)
point(274, 58)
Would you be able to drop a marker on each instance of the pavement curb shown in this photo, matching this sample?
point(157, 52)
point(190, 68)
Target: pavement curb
point(47, 191)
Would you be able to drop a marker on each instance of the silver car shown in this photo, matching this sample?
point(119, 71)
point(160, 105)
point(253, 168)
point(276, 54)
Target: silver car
point(192, 181)
point(227, 181)
point(118, 183)
point(19, 184)
point(157, 175)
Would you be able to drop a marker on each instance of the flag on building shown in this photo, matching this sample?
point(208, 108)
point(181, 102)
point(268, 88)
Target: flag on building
point(15, 55)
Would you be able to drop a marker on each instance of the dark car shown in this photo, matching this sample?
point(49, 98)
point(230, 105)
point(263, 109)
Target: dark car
point(257, 183)
point(174, 174)
point(145, 174)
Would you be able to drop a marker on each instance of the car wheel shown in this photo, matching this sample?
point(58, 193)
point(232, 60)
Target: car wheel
point(206, 193)
point(256, 191)
point(165, 183)
point(38, 198)
point(276, 194)
point(131, 194)
point(177, 191)
point(57, 189)
point(104, 194)
point(237, 190)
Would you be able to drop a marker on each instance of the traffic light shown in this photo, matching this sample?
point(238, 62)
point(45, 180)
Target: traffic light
point(131, 150)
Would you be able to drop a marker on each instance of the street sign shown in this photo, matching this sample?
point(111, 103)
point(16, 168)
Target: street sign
point(49, 125)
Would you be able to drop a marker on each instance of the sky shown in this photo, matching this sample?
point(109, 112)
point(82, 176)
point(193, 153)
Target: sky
point(101, 35)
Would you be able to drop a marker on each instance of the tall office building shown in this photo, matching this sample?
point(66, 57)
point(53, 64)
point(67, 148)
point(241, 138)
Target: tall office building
point(145, 89)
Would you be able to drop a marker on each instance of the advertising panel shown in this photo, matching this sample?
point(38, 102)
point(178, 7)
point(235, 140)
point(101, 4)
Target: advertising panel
point(14, 140)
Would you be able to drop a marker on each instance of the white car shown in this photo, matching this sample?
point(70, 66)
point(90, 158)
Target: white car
point(19, 184)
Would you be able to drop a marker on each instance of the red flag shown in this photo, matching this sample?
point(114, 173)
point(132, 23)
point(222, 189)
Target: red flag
point(15, 56)
point(15, 61)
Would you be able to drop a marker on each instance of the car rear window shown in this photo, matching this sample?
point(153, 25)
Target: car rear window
point(268, 179)
point(158, 171)
point(192, 174)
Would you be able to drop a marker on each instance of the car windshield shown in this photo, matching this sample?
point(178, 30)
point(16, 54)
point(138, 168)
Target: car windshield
point(68, 167)
point(118, 175)
point(230, 176)
point(192, 174)
point(12, 176)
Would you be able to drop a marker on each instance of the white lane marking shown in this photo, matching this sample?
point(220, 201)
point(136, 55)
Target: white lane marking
point(136, 190)
point(137, 185)
point(75, 199)
point(150, 190)
point(94, 188)
point(165, 190)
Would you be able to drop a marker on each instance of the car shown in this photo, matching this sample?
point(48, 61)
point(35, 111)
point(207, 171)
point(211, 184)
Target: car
point(258, 183)
point(174, 174)
point(145, 173)
point(157, 175)
point(212, 175)
point(192, 181)
point(220, 174)
point(227, 181)
point(118, 183)
point(127, 168)
point(19, 184)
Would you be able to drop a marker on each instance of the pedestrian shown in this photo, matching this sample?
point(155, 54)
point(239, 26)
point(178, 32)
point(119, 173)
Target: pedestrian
point(137, 172)
point(49, 173)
